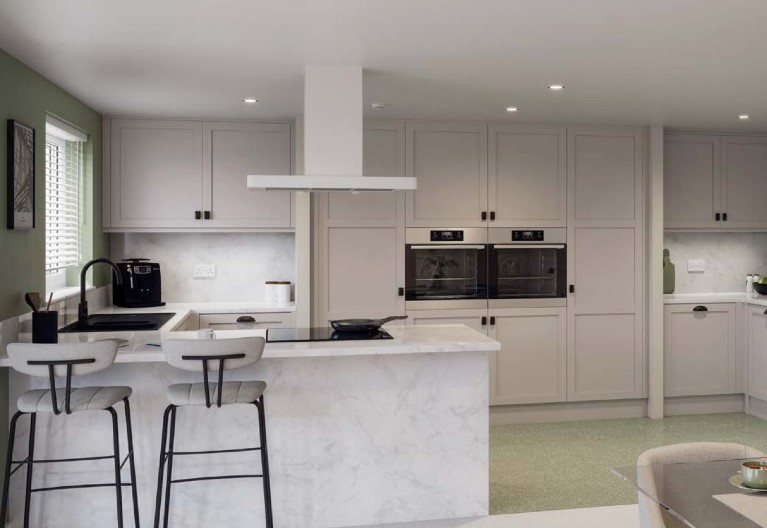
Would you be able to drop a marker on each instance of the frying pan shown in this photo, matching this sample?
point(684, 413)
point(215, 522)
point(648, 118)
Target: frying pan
point(363, 325)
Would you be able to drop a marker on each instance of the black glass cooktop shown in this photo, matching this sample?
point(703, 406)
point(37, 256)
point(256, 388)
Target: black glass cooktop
point(292, 335)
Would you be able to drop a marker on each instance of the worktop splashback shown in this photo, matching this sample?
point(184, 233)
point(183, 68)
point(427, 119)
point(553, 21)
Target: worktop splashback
point(243, 262)
point(729, 257)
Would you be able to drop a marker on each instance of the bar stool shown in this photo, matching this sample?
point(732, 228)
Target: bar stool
point(75, 359)
point(217, 355)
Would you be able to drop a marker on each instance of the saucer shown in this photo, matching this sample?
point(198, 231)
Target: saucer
point(737, 481)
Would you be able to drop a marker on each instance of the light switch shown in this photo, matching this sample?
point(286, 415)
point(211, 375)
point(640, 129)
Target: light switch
point(696, 266)
point(204, 271)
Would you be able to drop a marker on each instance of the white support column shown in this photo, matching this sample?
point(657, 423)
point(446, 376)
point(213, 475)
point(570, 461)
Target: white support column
point(655, 275)
point(303, 239)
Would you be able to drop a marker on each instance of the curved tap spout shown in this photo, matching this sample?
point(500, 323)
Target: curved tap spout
point(82, 309)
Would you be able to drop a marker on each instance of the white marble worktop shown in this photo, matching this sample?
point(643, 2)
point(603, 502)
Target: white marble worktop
point(714, 298)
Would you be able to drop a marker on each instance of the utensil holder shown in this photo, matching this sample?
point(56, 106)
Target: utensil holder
point(45, 327)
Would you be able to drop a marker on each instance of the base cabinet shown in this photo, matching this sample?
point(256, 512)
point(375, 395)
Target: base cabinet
point(700, 349)
point(476, 319)
point(531, 366)
point(757, 352)
point(251, 321)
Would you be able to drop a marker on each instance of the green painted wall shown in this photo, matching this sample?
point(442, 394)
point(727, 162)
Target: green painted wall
point(27, 96)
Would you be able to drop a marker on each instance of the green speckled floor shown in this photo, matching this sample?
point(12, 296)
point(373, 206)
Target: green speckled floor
point(527, 461)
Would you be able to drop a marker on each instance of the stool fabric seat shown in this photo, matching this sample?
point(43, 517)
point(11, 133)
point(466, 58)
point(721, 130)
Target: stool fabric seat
point(81, 399)
point(184, 394)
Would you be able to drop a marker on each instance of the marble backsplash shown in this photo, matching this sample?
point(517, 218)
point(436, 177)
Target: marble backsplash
point(243, 262)
point(729, 258)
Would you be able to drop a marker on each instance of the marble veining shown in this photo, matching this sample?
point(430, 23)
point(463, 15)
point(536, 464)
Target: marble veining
point(352, 441)
point(243, 262)
point(729, 258)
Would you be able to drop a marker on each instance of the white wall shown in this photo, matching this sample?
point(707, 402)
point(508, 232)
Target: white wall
point(243, 262)
point(729, 258)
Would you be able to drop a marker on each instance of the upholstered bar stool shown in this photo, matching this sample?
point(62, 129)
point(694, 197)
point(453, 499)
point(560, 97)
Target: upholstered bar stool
point(56, 360)
point(211, 355)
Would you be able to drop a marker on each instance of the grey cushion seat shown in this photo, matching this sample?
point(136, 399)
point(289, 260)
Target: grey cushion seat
point(81, 399)
point(234, 392)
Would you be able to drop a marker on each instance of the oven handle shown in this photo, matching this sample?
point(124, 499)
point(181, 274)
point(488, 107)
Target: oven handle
point(452, 246)
point(529, 246)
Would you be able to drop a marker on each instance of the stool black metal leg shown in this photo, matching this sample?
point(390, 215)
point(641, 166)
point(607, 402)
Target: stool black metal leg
point(265, 462)
point(161, 466)
point(8, 464)
point(30, 463)
point(131, 462)
point(118, 482)
point(169, 475)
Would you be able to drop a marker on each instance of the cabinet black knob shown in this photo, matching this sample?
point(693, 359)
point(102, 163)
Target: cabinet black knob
point(572, 288)
point(717, 216)
point(197, 215)
point(207, 215)
point(700, 309)
point(492, 216)
point(484, 320)
point(401, 292)
point(724, 217)
point(492, 320)
point(484, 215)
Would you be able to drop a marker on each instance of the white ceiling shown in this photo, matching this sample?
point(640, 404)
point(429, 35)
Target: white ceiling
point(687, 64)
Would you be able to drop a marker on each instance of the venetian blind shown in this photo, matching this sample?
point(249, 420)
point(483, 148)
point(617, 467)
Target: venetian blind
point(63, 214)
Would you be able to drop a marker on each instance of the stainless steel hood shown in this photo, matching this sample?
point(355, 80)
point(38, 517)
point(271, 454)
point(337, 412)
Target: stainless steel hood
point(332, 138)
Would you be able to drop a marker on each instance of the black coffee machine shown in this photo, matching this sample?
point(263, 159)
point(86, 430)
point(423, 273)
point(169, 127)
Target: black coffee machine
point(141, 285)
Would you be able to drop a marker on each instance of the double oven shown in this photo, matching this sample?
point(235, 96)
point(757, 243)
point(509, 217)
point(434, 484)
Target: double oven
point(455, 268)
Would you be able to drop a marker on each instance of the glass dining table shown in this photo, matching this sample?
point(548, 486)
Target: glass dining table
point(685, 493)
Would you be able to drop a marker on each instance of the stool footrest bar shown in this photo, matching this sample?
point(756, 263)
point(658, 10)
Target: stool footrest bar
point(239, 450)
point(216, 477)
point(54, 460)
point(79, 486)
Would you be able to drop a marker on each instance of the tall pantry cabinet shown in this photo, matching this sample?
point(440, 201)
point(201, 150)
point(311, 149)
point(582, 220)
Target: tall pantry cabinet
point(605, 263)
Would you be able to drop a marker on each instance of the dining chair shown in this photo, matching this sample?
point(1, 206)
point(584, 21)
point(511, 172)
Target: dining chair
point(651, 514)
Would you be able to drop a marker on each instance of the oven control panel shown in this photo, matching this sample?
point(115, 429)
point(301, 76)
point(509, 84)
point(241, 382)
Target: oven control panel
point(446, 236)
point(527, 236)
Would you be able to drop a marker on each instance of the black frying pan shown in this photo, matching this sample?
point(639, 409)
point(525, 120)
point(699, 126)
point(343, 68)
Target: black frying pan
point(363, 325)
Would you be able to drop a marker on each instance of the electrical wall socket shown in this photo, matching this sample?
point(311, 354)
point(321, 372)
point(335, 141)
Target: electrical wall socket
point(204, 271)
point(696, 266)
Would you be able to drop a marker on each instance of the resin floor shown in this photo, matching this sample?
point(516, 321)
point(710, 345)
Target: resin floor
point(558, 466)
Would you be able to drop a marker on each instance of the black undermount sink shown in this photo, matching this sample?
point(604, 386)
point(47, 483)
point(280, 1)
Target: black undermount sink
point(120, 323)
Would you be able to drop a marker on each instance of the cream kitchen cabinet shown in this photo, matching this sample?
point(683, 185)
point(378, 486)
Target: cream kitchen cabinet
point(531, 366)
point(700, 349)
point(166, 175)
point(715, 182)
point(239, 321)
point(757, 352)
point(605, 304)
point(360, 238)
point(450, 162)
point(475, 319)
point(156, 174)
point(527, 176)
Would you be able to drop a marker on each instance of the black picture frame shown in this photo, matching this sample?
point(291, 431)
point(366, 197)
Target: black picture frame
point(21, 175)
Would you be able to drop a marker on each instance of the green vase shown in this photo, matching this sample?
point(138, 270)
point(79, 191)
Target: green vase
point(669, 273)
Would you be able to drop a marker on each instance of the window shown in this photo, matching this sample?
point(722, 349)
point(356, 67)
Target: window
point(63, 197)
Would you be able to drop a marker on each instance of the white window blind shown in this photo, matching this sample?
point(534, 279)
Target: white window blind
point(63, 213)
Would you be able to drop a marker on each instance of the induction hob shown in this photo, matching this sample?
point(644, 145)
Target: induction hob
point(293, 335)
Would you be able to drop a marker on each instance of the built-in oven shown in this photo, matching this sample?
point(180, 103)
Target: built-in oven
point(445, 268)
point(527, 267)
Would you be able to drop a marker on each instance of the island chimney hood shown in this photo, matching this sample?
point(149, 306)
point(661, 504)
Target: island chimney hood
point(332, 138)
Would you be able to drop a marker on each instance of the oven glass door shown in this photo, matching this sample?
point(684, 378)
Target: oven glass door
point(445, 272)
point(527, 271)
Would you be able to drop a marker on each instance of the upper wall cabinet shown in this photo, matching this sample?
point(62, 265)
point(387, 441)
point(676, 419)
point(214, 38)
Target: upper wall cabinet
point(450, 162)
point(234, 150)
point(527, 182)
point(691, 181)
point(176, 175)
point(715, 182)
point(156, 173)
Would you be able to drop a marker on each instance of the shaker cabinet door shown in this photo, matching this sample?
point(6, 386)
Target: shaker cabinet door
point(744, 175)
point(450, 162)
point(231, 152)
point(156, 173)
point(757, 352)
point(691, 182)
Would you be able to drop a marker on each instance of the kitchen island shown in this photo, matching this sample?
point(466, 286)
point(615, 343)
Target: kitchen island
point(360, 433)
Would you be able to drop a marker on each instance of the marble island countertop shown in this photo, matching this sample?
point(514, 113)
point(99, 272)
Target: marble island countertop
point(714, 298)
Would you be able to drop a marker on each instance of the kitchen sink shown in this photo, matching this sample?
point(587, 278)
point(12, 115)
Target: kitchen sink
point(120, 323)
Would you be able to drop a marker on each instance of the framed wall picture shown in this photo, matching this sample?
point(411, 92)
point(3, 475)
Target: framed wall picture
point(21, 176)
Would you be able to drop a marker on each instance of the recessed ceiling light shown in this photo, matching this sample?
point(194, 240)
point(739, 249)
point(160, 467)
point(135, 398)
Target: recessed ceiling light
point(512, 109)
point(556, 87)
point(744, 116)
point(377, 106)
point(250, 100)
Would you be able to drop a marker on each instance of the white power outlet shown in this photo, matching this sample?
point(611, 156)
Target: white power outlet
point(696, 266)
point(204, 271)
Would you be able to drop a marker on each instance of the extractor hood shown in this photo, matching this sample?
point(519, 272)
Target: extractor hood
point(332, 138)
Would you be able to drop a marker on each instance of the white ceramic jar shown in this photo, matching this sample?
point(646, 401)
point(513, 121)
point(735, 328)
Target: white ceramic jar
point(277, 292)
